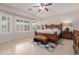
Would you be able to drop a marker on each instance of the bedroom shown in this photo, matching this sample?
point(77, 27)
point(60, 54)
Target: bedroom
point(39, 28)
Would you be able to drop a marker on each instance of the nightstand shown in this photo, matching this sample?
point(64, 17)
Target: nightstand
point(67, 34)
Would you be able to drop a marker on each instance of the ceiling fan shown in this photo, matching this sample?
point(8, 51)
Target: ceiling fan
point(42, 6)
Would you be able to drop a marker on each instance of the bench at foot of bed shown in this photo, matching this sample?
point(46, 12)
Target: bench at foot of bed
point(42, 39)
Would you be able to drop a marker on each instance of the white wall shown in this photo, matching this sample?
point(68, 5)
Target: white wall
point(73, 17)
point(4, 10)
point(13, 34)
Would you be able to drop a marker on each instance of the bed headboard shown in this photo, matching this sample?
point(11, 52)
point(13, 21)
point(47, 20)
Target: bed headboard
point(59, 26)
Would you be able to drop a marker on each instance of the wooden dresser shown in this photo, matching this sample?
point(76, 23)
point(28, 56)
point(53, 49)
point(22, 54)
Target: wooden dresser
point(67, 34)
point(76, 41)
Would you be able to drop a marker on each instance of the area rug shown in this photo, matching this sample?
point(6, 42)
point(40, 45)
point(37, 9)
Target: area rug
point(50, 46)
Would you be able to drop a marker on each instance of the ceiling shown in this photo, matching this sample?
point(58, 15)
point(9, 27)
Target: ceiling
point(55, 8)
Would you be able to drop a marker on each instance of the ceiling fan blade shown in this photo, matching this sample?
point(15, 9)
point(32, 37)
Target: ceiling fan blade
point(39, 10)
point(36, 6)
point(46, 9)
point(48, 4)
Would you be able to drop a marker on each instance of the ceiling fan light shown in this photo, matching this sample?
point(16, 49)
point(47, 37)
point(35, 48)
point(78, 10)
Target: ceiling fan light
point(39, 10)
point(40, 7)
point(43, 7)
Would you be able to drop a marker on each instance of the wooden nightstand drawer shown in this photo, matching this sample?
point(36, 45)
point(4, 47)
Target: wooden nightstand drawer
point(67, 35)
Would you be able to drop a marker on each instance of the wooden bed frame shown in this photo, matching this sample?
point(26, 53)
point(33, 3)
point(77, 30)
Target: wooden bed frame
point(50, 37)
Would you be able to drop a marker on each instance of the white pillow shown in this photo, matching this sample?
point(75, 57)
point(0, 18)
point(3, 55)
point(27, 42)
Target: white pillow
point(56, 30)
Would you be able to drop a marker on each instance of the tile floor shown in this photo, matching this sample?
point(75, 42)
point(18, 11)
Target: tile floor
point(25, 47)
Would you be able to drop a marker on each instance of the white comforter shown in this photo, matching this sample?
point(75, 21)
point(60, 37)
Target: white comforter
point(50, 31)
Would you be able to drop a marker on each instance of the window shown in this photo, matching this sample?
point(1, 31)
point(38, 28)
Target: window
point(8, 24)
point(36, 26)
point(26, 25)
point(22, 25)
point(18, 27)
point(5, 24)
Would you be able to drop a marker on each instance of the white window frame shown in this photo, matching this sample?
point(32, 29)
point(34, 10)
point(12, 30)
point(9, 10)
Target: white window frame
point(16, 24)
point(27, 24)
point(22, 24)
point(5, 23)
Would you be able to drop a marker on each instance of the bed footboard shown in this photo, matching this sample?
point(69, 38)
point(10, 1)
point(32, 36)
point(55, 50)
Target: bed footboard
point(49, 37)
